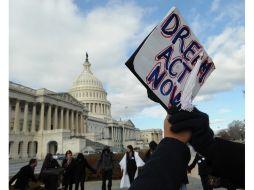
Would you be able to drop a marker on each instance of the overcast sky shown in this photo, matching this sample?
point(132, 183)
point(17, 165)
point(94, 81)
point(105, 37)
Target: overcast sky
point(49, 38)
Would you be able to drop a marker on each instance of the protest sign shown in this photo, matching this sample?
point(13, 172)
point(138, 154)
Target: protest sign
point(171, 63)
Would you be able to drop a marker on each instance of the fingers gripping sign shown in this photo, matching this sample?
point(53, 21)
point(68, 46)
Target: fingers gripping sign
point(183, 136)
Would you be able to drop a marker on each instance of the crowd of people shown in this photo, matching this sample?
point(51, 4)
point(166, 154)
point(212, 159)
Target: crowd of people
point(164, 167)
point(72, 171)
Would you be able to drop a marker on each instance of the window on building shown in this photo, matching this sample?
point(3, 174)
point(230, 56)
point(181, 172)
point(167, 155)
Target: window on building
point(11, 125)
point(36, 146)
point(37, 127)
point(21, 126)
point(20, 147)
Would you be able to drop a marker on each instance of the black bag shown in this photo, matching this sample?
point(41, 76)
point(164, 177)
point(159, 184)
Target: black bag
point(51, 171)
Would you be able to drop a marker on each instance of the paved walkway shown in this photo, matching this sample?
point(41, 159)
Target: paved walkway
point(194, 184)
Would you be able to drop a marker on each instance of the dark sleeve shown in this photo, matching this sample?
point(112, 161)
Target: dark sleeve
point(63, 163)
point(193, 164)
point(166, 168)
point(14, 178)
point(55, 163)
point(147, 156)
point(115, 162)
point(228, 160)
point(31, 175)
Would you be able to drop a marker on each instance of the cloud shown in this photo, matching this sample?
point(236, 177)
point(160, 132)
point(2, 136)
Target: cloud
point(48, 40)
point(154, 112)
point(224, 110)
point(227, 50)
point(218, 124)
point(215, 5)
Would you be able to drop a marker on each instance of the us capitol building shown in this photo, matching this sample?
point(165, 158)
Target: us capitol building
point(42, 121)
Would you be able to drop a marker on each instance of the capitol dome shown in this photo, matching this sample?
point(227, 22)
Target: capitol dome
point(89, 90)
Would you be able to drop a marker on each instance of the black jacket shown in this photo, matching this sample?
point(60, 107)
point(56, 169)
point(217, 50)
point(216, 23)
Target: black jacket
point(52, 164)
point(227, 160)
point(23, 176)
point(166, 168)
point(69, 170)
point(203, 166)
point(80, 170)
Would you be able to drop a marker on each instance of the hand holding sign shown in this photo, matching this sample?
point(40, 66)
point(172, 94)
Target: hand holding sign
point(171, 63)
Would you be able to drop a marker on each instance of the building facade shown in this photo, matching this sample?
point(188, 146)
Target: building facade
point(149, 135)
point(42, 121)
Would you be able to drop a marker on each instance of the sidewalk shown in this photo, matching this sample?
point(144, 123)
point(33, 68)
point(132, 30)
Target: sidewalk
point(194, 184)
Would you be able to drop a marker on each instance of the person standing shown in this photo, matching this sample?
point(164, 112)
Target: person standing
point(152, 147)
point(80, 171)
point(129, 165)
point(106, 163)
point(68, 166)
point(203, 170)
point(24, 174)
point(49, 172)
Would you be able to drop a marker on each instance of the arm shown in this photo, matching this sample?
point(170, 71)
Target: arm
point(193, 164)
point(14, 178)
point(31, 175)
point(63, 163)
point(166, 168)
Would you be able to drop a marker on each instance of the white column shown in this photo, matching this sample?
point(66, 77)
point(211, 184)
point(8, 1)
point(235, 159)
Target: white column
point(16, 117)
point(49, 118)
point(123, 135)
point(118, 134)
point(14, 150)
point(85, 124)
point(61, 118)
point(42, 117)
point(56, 118)
point(76, 123)
point(25, 126)
point(33, 118)
point(67, 119)
point(72, 121)
point(112, 133)
point(82, 123)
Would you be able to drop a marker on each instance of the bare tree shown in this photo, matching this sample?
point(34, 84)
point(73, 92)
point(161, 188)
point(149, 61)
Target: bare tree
point(223, 134)
point(235, 131)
